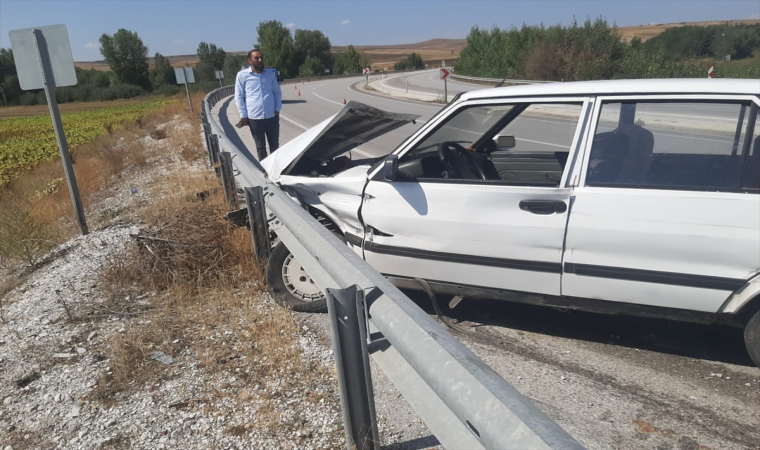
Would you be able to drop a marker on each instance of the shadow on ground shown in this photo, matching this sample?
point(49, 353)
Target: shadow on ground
point(706, 342)
point(414, 444)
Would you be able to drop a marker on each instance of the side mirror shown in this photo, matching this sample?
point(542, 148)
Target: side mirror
point(390, 167)
point(505, 141)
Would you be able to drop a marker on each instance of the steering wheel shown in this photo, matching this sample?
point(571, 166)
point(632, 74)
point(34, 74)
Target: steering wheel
point(450, 162)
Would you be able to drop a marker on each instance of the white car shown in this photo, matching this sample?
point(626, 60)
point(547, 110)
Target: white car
point(633, 197)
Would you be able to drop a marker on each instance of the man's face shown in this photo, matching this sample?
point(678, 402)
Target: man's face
point(257, 61)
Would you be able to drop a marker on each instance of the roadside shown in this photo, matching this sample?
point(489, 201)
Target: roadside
point(155, 330)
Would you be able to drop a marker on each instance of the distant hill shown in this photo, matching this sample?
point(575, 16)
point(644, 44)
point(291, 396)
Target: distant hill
point(646, 32)
point(434, 51)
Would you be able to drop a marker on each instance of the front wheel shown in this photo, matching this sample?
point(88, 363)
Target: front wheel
point(290, 285)
point(752, 338)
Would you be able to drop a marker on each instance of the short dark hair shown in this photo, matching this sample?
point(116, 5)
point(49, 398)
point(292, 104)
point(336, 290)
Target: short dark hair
point(254, 50)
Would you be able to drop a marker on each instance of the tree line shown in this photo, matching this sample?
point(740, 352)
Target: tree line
point(304, 53)
point(595, 50)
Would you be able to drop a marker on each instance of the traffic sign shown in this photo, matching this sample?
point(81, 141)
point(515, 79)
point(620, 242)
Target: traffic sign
point(443, 73)
point(365, 71)
point(710, 72)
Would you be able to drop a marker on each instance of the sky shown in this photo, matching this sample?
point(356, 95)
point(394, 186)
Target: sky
point(176, 27)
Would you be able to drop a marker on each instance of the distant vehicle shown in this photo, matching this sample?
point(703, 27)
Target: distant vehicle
point(637, 197)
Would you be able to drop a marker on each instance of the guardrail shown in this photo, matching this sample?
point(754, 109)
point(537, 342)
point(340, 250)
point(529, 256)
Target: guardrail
point(494, 81)
point(461, 399)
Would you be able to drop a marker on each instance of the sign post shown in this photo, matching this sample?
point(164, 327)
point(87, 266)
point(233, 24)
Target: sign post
point(185, 76)
point(219, 76)
point(443, 74)
point(43, 60)
point(710, 72)
point(365, 71)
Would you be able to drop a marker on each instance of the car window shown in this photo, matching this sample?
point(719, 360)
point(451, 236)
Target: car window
point(464, 127)
point(524, 144)
point(669, 145)
point(544, 128)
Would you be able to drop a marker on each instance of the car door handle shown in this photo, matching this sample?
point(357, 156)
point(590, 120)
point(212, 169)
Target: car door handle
point(543, 207)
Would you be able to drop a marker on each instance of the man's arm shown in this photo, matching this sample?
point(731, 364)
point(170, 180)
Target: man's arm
point(277, 92)
point(240, 99)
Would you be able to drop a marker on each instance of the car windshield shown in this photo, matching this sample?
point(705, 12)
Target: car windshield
point(465, 127)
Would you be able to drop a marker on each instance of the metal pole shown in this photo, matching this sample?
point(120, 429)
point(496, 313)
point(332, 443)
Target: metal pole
point(445, 91)
point(352, 361)
point(187, 89)
point(49, 82)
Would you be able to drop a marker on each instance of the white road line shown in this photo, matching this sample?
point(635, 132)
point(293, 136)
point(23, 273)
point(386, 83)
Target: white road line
point(544, 143)
point(313, 91)
point(294, 122)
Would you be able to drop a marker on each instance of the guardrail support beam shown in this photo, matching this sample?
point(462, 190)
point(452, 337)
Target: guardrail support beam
point(228, 179)
point(257, 220)
point(349, 338)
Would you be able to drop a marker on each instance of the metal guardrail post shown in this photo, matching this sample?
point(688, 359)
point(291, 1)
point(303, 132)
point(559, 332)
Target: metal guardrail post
point(228, 179)
point(215, 154)
point(257, 221)
point(349, 339)
point(207, 135)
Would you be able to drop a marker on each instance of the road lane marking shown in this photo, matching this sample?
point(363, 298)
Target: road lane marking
point(313, 91)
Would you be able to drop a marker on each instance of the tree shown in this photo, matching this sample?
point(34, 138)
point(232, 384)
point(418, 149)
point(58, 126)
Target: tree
point(10, 89)
point(232, 65)
point(350, 61)
point(276, 43)
point(312, 67)
point(210, 59)
point(413, 61)
point(162, 72)
point(127, 56)
point(314, 44)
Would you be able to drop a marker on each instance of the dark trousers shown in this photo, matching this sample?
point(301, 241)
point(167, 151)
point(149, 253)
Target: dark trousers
point(265, 127)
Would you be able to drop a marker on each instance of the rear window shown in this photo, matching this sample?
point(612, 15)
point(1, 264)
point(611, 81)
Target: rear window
point(671, 145)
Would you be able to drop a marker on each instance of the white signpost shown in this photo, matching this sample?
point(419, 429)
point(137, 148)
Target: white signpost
point(185, 76)
point(219, 76)
point(43, 61)
point(710, 72)
point(365, 72)
point(443, 74)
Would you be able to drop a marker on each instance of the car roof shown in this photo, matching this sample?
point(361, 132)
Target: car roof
point(624, 87)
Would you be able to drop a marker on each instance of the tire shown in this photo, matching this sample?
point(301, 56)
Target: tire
point(752, 337)
point(290, 285)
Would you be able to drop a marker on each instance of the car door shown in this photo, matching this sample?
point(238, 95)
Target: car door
point(665, 213)
point(498, 234)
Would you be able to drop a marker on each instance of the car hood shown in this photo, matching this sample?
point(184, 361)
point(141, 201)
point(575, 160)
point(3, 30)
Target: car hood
point(352, 126)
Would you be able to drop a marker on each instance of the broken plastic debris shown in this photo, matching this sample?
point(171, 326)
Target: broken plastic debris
point(162, 357)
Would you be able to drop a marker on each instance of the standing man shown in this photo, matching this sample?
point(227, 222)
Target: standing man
point(259, 101)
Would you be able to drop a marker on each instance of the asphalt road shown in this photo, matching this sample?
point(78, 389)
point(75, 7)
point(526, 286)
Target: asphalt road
point(611, 382)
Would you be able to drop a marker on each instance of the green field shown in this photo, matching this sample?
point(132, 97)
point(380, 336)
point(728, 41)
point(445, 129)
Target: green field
point(27, 141)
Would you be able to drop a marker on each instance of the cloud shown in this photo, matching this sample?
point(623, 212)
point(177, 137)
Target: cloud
point(345, 22)
point(179, 41)
point(90, 45)
point(290, 25)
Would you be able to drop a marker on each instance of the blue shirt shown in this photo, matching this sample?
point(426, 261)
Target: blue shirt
point(257, 96)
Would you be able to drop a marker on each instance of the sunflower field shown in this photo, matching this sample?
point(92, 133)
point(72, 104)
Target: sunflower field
point(27, 141)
